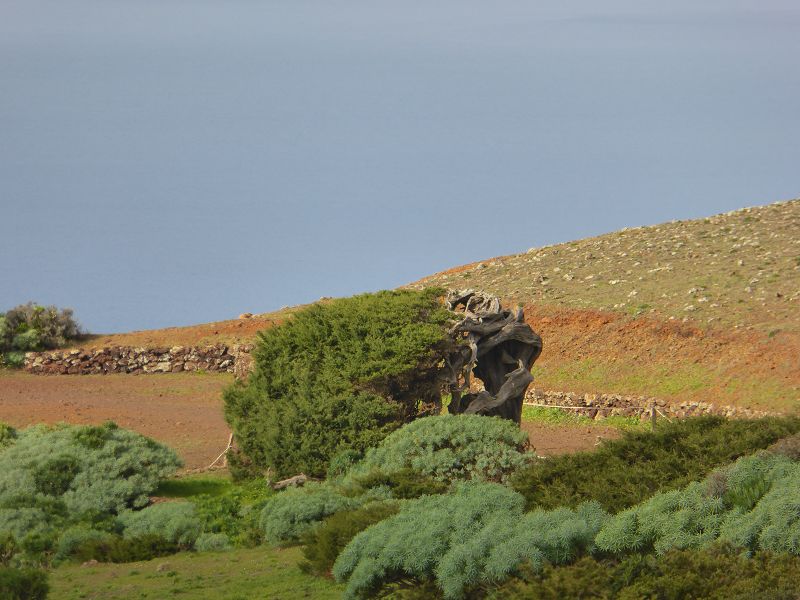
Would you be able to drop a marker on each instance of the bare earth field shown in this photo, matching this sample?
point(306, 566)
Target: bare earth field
point(551, 440)
point(182, 410)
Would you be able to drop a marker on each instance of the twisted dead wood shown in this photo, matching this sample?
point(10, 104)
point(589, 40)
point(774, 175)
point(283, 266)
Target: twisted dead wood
point(500, 350)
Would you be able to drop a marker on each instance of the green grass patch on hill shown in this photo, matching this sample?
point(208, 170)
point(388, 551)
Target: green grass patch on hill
point(678, 380)
point(560, 417)
point(186, 487)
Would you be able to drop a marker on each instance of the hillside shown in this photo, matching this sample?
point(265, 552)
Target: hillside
point(688, 310)
point(739, 269)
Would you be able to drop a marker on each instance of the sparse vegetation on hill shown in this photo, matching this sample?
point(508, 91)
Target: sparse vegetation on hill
point(703, 310)
point(737, 269)
point(338, 376)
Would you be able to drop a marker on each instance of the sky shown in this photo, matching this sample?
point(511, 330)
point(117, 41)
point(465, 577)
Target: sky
point(170, 162)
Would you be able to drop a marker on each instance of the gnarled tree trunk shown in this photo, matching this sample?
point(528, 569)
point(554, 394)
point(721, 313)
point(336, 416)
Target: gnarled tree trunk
point(500, 350)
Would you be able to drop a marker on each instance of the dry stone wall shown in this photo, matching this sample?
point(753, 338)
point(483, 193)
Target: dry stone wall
point(598, 406)
point(237, 359)
point(121, 359)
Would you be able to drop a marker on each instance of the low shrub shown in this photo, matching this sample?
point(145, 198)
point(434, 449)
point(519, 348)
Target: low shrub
point(404, 484)
point(343, 462)
point(8, 435)
point(75, 541)
point(717, 573)
point(752, 505)
point(451, 448)
point(324, 543)
point(116, 549)
point(235, 513)
point(90, 471)
point(294, 511)
point(31, 326)
point(23, 584)
point(12, 359)
point(212, 542)
point(176, 522)
point(624, 472)
point(788, 447)
point(475, 535)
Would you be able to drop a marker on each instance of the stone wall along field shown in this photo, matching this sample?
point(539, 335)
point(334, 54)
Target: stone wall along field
point(598, 406)
point(117, 359)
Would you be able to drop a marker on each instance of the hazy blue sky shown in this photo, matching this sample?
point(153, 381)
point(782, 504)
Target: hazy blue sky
point(168, 162)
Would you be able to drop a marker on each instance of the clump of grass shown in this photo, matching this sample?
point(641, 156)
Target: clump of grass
point(193, 486)
point(560, 417)
point(553, 416)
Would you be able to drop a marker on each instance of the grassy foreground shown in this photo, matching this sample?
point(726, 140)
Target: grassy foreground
point(243, 574)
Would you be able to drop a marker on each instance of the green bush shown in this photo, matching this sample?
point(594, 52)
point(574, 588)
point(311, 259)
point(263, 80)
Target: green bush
point(212, 542)
point(235, 513)
point(337, 376)
point(75, 540)
point(116, 549)
point(90, 471)
point(788, 446)
point(752, 504)
point(291, 513)
point(717, 573)
point(12, 359)
point(451, 448)
point(55, 477)
point(624, 472)
point(475, 535)
point(324, 543)
point(27, 341)
point(404, 484)
point(342, 462)
point(8, 435)
point(176, 522)
point(23, 584)
point(30, 326)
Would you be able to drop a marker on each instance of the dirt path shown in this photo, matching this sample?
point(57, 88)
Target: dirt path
point(551, 440)
point(182, 410)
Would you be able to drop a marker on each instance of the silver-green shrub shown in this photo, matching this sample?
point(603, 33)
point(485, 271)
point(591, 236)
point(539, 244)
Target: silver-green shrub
point(451, 448)
point(28, 524)
point(294, 511)
point(173, 521)
point(753, 504)
point(212, 542)
point(74, 537)
point(478, 534)
point(88, 470)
